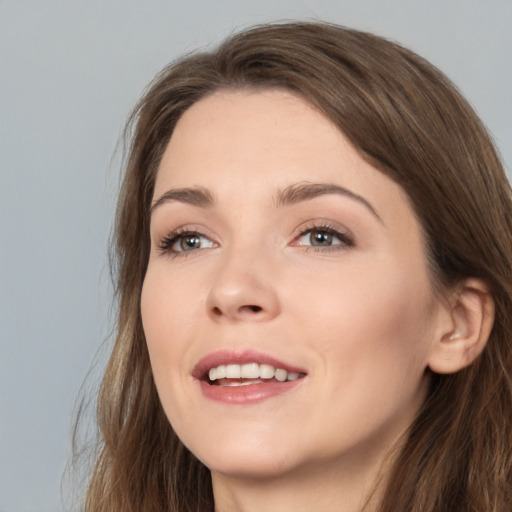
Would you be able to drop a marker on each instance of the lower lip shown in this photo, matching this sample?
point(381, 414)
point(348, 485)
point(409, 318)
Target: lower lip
point(249, 394)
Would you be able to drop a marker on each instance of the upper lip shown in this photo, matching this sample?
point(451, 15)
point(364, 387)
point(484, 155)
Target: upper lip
point(219, 357)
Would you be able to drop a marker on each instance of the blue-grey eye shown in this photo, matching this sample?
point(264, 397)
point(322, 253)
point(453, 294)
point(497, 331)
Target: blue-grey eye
point(190, 242)
point(319, 238)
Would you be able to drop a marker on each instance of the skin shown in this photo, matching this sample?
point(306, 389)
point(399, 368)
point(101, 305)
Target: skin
point(360, 316)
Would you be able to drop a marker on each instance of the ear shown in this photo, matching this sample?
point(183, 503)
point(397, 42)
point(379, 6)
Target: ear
point(468, 316)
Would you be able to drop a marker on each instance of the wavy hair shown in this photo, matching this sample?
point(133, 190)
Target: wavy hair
point(405, 118)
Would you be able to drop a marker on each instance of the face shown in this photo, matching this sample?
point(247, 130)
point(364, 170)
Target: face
point(292, 273)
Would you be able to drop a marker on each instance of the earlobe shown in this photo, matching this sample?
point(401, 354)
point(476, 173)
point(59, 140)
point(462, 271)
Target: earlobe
point(462, 338)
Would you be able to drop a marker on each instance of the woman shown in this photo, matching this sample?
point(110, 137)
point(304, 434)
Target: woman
point(314, 250)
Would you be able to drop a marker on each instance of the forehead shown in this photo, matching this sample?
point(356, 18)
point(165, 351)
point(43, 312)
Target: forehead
point(244, 140)
point(271, 119)
point(263, 135)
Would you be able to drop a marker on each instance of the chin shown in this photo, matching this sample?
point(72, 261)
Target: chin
point(244, 456)
point(260, 468)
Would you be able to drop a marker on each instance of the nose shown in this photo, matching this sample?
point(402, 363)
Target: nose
point(243, 289)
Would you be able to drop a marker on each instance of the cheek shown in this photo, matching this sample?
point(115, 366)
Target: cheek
point(168, 307)
point(371, 337)
point(167, 310)
point(381, 315)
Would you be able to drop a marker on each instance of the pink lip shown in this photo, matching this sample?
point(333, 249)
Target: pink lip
point(245, 395)
point(248, 394)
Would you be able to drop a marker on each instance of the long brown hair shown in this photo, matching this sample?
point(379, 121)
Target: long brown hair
point(409, 121)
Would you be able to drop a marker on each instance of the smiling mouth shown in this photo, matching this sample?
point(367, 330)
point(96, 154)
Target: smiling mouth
point(233, 375)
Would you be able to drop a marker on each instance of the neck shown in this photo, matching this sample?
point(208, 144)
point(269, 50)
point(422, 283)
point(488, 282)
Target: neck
point(351, 488)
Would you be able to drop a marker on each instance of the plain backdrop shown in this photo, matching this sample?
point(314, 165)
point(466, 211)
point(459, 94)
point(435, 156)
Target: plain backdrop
point(70, 71)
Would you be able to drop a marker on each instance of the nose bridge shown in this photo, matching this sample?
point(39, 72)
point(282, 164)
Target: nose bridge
point(243, 288)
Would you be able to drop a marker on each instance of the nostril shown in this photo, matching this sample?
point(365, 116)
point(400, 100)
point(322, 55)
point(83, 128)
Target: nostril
point(253, 309)
point(249, 309)
point(216, 311)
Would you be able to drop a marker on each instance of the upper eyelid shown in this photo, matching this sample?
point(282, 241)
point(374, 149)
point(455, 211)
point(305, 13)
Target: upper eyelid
point(183, 229)
point(323, 224)
point(187, 232)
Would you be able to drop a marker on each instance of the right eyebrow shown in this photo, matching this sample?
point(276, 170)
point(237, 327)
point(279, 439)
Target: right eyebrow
point(305, 191)
point(196, 196)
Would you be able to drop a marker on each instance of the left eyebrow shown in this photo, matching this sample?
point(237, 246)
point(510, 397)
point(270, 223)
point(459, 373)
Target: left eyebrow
point(305, 191)
point(196, 196)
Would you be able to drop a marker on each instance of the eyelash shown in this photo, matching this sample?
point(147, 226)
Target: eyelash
point(345, 237)
point(166, 243)
point(347, 241)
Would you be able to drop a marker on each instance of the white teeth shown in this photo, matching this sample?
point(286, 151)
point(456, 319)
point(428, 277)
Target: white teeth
point(238, 383)
point(281, 375)
point(233, 371)
point(267, 371)
point(250, 371)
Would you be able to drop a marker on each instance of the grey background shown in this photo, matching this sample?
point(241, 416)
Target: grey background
point(69, 73)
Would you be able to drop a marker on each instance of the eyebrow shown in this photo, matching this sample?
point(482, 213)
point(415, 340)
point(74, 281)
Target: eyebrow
point(299, 192)
point(195, 196)
point(293, 194)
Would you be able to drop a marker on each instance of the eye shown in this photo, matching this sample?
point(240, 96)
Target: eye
point(185, 241)
point(324, 236)
point(319, 238)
